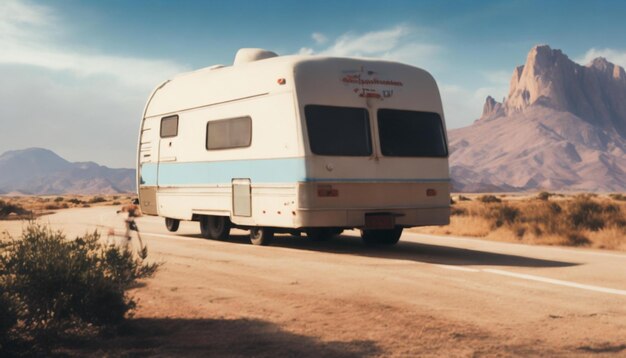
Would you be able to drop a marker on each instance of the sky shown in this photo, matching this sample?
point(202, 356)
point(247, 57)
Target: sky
point(75, 75)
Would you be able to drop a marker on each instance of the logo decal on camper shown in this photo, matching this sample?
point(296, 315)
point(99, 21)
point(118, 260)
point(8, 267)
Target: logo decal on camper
point(368, 84)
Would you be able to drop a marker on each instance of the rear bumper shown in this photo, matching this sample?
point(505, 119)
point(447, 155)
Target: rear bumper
point(355, 218)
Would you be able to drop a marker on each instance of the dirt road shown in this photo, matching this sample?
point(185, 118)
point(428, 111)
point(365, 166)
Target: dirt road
point(428, 295)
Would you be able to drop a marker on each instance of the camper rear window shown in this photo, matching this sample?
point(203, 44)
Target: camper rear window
point(169, 126)
point(229, 133)
point(341, 131)
point(411, 134)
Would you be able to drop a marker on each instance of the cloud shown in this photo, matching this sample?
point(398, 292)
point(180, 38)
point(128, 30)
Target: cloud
point(27, 37)
point(399, 43)
point(319, 38)
point(618, 57)
point(83, 104)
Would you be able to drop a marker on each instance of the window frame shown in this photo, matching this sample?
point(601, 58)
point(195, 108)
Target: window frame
point(175, 116)
point(206, 133)
point(370, 132)
point(441, 126)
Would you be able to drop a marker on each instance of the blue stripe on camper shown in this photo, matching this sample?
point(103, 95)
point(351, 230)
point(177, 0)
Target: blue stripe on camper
point(148, 174)
point(285, 170)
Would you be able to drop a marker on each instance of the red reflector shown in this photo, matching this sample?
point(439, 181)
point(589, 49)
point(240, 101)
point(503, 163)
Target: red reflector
point(282, 81)
point(327, 191)
point(431, 192)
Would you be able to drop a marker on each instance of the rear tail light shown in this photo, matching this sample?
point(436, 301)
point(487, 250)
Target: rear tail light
point(431, 192)
point(326, 191)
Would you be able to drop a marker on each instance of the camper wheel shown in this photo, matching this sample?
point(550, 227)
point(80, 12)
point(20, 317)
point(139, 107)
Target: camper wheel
point(215, 227)
point(261, 236)
point(172, 224)
point(381, 237)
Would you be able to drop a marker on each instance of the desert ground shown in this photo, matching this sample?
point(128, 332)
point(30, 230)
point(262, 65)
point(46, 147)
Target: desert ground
point(429, 295)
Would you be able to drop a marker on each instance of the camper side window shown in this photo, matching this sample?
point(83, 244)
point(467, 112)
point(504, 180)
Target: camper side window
point(338, 131)
point(169, 126)
point(229, 133)
point(411, 134)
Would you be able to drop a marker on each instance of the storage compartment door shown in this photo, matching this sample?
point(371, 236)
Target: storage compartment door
point(242, 197)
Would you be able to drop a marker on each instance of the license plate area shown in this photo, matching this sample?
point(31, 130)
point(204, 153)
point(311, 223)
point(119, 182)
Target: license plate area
point(380, 221)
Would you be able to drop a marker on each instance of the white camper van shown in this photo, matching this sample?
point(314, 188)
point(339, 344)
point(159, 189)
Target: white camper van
point(296, 144)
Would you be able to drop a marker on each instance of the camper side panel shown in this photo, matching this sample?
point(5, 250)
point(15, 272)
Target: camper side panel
point(195, 178)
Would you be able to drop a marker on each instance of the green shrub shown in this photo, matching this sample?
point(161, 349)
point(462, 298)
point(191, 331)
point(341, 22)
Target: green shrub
point(464, 198)
point(489, 199)
point(75, 201)
point(58, 199)
point(97, 199)
point(59, 285)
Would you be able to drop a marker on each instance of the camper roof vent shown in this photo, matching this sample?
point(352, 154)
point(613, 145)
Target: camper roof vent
point(246, 55)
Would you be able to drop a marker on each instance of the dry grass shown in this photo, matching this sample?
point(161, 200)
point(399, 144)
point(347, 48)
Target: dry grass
point(592, 220)
point(42, 205)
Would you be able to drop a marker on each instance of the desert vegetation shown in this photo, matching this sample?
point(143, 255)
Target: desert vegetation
point(53, 289)
point(28, 207)
point(546, 218)
point(10, 210)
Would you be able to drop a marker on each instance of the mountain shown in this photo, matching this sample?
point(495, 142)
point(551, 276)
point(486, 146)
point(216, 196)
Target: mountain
point(561, 127)
point(40, 171)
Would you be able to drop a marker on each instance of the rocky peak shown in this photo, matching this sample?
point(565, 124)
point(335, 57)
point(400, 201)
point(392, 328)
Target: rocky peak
point(603, 66)
point(594, 92)
point(492, 109)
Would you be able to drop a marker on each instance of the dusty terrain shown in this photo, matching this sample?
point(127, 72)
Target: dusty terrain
point(427, 296)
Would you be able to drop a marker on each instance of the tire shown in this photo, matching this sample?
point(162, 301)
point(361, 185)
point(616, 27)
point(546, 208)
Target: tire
point(215, 227)
point(381, 237)
point(261, 236)
point(172, 224)
point(323, 233)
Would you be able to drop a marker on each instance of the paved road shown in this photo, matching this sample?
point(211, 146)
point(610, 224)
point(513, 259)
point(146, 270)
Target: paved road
point(429, 295)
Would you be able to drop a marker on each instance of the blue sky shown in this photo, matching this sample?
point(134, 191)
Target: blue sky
point(76, 74)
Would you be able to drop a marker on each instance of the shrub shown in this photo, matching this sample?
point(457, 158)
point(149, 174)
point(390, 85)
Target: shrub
point(544, 195)
point(58, 199)
point(7, 209)
point(501, 215)
point(585, 213)
point(116, 203)
point(59, 285)
point(489, 199)
point(458, 211)
point(97, 199)
point(75, 201)
point(619, 197)
point(464, 198)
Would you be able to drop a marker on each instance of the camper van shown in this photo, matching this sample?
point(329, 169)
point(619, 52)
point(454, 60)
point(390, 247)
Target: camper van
point(296, 144)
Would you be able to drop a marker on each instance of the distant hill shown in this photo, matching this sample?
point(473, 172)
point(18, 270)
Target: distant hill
point(562, 127)
point(40, 171)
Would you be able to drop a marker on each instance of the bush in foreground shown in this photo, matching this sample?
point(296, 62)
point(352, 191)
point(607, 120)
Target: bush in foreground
point(50, 285)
